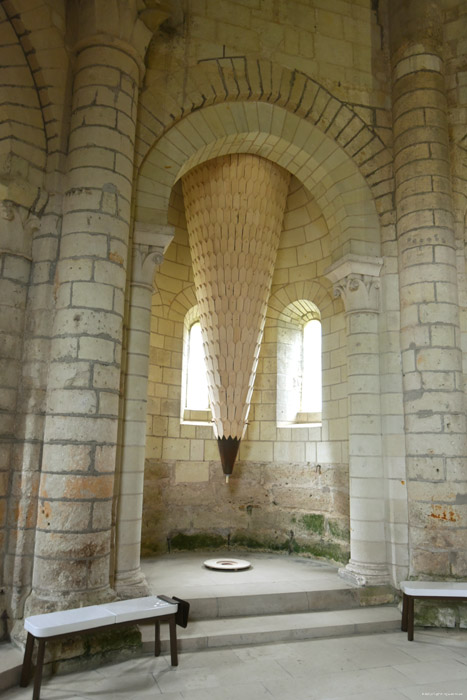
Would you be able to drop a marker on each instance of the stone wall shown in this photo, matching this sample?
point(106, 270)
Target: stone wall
point(290, 487)
point(364, 103)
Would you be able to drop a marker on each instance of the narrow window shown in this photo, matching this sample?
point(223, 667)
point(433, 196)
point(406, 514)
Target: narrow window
point(311, 378)
point(299, 366)
point(197, 398)
point(195, 406)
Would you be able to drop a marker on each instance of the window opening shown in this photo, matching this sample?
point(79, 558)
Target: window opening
point(197, 397)
point(311, 378)
point(299, 365)
point(195, 407)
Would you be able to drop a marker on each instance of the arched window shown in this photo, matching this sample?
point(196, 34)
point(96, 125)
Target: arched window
point(312, 395)
point(196, 381)
point(299, 370)
point(195, 398)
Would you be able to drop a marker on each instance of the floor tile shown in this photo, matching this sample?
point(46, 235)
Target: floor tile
point(434, 671)
point(445, 689)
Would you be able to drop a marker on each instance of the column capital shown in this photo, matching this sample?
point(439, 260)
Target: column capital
point(356, 279)
point(150, 242)
point(114, 22)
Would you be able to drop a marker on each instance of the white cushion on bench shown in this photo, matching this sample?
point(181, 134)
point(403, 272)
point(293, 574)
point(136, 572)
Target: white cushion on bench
point(64, 621)
point(93, 616)
point(140, 608)
point(443, 589)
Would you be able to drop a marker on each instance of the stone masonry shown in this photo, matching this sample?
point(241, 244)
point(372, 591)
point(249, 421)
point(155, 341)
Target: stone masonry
point(107, 111)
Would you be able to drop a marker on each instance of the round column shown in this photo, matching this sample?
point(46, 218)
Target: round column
point(15, 267)
point(73, 537)
point(356, 280)
point(435, 422)
point(149, 246)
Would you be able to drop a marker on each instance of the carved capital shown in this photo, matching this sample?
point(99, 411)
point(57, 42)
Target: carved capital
point(114, 22)
point(356, 279)
point(149, 246)
point(158, 12)
point(359, 293)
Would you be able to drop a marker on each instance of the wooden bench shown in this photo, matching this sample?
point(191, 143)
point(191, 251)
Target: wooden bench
point(56, 625)
point(428, 590)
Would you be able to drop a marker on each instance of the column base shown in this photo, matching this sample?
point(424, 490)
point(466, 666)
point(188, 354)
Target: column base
point(36, 605)
point(132, 584)
point(361, 574)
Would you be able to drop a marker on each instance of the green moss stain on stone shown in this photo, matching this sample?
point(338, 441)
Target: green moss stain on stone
point(314, 522)
point(245, 541)
point(89, 650)
point(432, 614)
point(338, 531)
point(199, 540)
point(323, 549)
point(309, 544)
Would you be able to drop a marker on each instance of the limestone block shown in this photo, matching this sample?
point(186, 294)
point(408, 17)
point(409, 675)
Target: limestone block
point(192, 471)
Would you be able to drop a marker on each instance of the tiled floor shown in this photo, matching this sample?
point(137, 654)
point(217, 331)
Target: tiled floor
point(376, 667)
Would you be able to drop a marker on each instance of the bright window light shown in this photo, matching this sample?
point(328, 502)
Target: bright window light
point(197, 398)
point(311, 379)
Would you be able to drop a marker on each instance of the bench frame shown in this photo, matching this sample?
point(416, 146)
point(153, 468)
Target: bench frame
point(407, 623)
point(27, 668)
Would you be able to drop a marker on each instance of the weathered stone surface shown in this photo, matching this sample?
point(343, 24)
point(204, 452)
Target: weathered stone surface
point(365, 108)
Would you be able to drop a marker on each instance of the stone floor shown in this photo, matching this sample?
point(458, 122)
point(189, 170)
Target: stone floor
point(186, 576)
point(374, 667)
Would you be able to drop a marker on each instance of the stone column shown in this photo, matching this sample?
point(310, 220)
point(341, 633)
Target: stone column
point(16, 229)
point(356, 280)
point(435, 421)
point(73, 536)
point(149, 246)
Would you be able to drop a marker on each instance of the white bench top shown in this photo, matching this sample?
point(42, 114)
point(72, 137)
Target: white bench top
point(443, 589)
point(93, 616)
point(140, 608)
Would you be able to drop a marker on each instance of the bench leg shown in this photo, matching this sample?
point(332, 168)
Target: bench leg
point(173, 641)
point(410, 618)
point(38, 674)
point(404, 613)
point(26, 670)
point(157, 638)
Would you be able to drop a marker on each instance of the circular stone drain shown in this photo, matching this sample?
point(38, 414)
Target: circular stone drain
point(227, 564)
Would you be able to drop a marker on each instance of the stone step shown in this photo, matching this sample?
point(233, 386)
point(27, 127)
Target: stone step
point(11, 661)
point(289, 602)
point(238, 631)
point(260, 629)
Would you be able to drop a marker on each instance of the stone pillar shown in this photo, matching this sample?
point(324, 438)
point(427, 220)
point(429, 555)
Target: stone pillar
point(73, 536)
point(149, 246)
point(15, 266)
point(435, 421)
point(356, 280)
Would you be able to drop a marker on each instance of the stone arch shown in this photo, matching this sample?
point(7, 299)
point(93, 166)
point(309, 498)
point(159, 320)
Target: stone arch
point(272, 132)
point(313, 290)
point(44, 49)
point(253, 79)
point(23, 148)
point(182, 303)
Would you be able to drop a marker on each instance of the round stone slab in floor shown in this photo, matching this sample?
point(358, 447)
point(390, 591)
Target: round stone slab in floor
point(227, 564)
